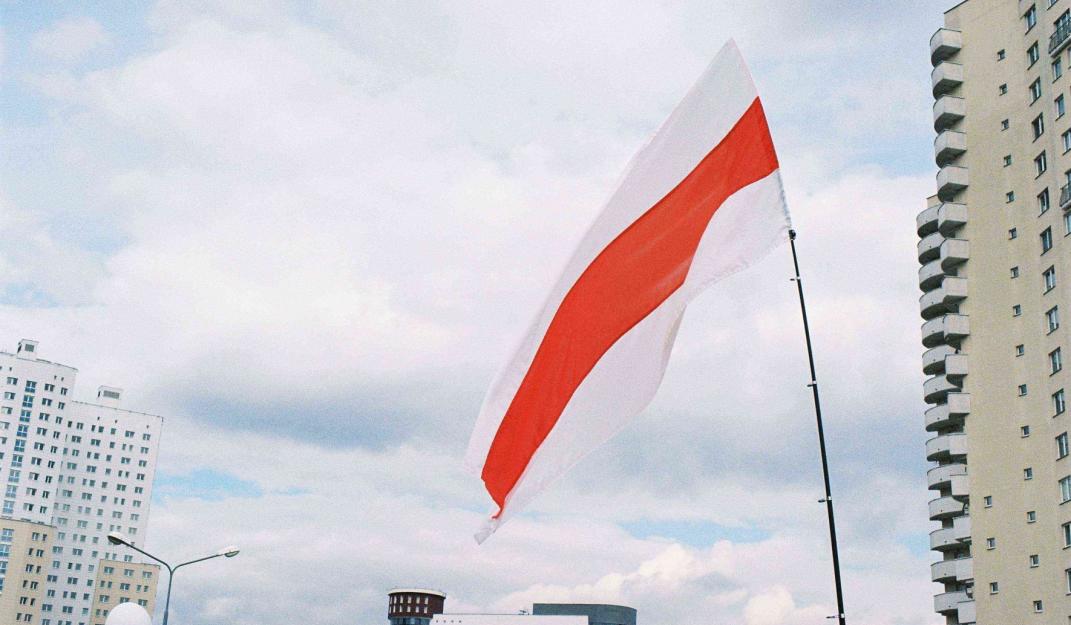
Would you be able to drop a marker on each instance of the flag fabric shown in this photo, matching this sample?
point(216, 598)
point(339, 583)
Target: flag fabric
point(702, 200)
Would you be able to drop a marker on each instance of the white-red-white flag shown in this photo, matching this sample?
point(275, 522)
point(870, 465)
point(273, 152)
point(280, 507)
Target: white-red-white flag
point(700, 201)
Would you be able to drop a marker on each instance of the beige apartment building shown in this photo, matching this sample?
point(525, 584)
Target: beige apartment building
point(996, 267)
point(27, 547)
point(121, 582)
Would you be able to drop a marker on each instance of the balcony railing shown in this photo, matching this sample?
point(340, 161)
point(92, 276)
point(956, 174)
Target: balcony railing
point(1060, 37)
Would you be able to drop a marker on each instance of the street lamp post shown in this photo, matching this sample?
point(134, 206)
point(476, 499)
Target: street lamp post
point(117, 538)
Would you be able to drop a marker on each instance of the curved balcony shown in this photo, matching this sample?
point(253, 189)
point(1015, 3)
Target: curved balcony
point(948, 110)
point(945, 508)
point(956, 407)
point(944, 43)
point(961, 529)
point(945, 77)
point(952, 570)
point(935, 389)
point(944, 539)
point(941, 477)
point(951, 179)
point(931, 275)
point(933, 360)
point(929, 247)
point(945, 217)
point(967, 613)
point(954, 252)
point(948, 145)
point(948, 328)
point(943, 299)
point(946, 447)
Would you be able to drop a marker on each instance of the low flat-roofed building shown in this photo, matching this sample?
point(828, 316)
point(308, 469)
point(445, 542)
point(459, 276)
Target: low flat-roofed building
point(121, 582)
point(25, 552)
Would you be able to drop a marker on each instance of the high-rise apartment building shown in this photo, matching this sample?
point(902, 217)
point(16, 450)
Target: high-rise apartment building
point(85, 468)
point(996, 265)
point(123, 582)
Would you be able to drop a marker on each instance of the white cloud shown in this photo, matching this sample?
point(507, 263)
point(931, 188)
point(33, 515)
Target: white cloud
point(70, 39)
point(325, 228)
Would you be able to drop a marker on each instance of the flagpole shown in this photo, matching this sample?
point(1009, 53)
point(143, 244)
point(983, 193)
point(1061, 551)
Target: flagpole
point(821, 435)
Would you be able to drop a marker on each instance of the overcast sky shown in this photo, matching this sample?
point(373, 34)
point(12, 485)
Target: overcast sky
point(308, 234)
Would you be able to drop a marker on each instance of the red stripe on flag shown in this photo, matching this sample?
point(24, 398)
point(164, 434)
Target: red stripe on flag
point(636, 272)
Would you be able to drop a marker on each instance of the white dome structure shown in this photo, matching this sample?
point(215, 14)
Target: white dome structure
point(128, 614)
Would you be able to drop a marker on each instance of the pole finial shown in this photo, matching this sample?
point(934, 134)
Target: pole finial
point(792, 234)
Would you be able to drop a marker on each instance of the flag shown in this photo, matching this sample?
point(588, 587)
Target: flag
point(702, 200)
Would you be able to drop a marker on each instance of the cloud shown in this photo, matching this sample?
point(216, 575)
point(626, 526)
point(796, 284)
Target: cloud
point(308, 235)
point(70, 39)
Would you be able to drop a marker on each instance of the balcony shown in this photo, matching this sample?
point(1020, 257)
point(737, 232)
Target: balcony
point(931, 275)
point(945, 508)
point(954, 252)
point(948, 602)
point(1060, 37)
point(945, 77)
point(944, 43)
point(961, 529)
point(945, 218)
point(941, 477)
point(948, 145)
point(947, 111)
point(935, 389)
point(933, 360)
point(948, 328)
point(951, 179)
point(944, 539)
point(967, 614)
point(952, 570)
point(943, 299)
point(956, 407)
point(946, 447)
point(929, 247)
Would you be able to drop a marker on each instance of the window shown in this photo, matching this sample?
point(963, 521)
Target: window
point(1065, 489)
point(1066, 137)
point(1019, 350)
point(1001, 55)
point(991, 543)
point(1009, 197)
point(1048, 278)
point(1038, 126)
point(1066, 528)
point(1014, 272)
point(988, 501)
point(1046, 240)
point(1013, 232)
point(1028, 473)
point(1056, 361)
point(1039, 607)
point(1041, 165)
point(1031, 17)
point(1024, 431)
point(1031, 516)
point(1003, 89)
point(994, 588)
point(1035, 95)
point(1034, 561)
point(1057, 69)
point(1004, 124)
point(1062, 448)
point(1052, 318)
point(1017, 310)
point(1060, 109)
point(1059, 404)
point(1008, 158)
point(1033, 54)
point(1067, 578)
point(1067, 223)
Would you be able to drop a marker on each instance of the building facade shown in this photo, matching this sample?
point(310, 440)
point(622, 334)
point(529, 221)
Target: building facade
point(414, 606)
point(26, 548)
point(995, 266)
point(123, 582)
point(418, 606)
point(85, 468)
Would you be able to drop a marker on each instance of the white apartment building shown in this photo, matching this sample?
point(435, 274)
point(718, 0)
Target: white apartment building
point(85, 468)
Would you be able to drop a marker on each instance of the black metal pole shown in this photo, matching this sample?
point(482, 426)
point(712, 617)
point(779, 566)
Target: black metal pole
point(821, 435)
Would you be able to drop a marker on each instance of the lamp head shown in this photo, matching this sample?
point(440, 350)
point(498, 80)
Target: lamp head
point(228, 552)
point(117, 538)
